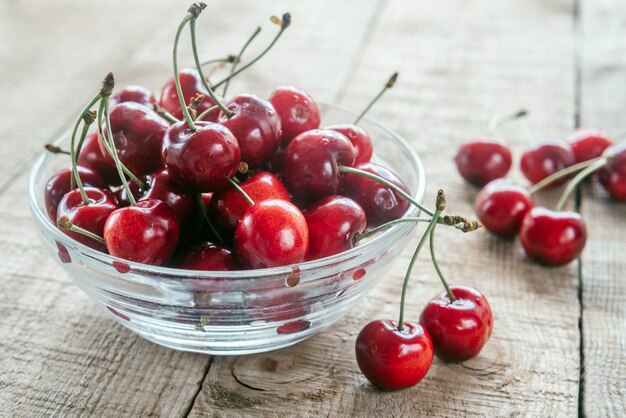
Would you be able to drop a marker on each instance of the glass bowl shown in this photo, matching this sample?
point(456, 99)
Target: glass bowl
point(238, 312)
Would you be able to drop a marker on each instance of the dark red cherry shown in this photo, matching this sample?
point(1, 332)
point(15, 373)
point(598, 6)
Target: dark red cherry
point(393, 359)
point(91, 217)
point(138, 135)
point(588, 143)
point(203, 160)
point(459, 329)
point(333, 223)
point(296, 110)
point(546, 158)
point(381, 204)
point(208, 256)
point(483, 159)
point(360, 139)
point(146, 233)
point(551, 237)
point(613, 176)
point(191, 85)
point(310, 163)
point(136, 94)
point(271, 233)
point(91, 157)
point(228, 205)
point(60, 184)
point(255, 125)
point(501, 206)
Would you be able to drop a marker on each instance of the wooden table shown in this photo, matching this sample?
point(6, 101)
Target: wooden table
point(559, 345)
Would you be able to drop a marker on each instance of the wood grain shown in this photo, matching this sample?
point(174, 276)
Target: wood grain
point(603, 101)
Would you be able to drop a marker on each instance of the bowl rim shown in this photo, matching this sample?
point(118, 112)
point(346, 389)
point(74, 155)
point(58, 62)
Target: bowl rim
point(393, 233)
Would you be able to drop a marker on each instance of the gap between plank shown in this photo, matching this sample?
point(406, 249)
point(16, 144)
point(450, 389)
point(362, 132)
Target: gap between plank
point(192, 401)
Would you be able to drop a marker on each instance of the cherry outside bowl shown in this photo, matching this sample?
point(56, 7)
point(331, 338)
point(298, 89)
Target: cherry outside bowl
point(238, 312)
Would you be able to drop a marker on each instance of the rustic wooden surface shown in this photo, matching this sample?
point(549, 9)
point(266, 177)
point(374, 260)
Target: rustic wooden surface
point(558, 347)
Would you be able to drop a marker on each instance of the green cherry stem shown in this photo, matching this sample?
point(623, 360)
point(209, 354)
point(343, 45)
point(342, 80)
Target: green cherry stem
point(392, 80)
point(225, 60)
point(561, 174)
point(192, 27)
point(204, 114)
point(346, 169)
point(571, 186)
point(377, 229)
point(499, 120)
point(284, 24)
point(65, 223)
point(73, 157)
point(238, 59)
point(205, 215)
point(165, 114)
point(241, 191)
point(53, 149)
point(436, 264)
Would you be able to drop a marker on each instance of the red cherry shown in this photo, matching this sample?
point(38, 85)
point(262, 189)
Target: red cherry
point(613, 176)
point(360, 139)
point(256, 127)
point(333, 223)
point(136, 94)
point(60, 184)
point(91, 157)
point(393, 359)
point(91, 217)
point(459, 329)
point(551, 237)
point(204, 160)
point(138, 136)
point(191, 85)
point(310, 163)
point(546, 158)
point(588, 143)
point(501, 206)
point(271, 233)
point(381, 204)
point(296, 110)
point(209, 257)
point(483, 159)
point(146, 233)
point(228, 205)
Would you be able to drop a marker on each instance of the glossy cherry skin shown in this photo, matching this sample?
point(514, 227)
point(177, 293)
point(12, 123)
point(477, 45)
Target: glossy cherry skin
point(138, 135)
point(256, 127)
point(381, 204)
point(501, 206)
point(296, 110)
point(136, 94)
point(310, 163)
point(146, 233)
point(60, 184)
point(483, 159)
point(271, 233)
point(201, 161)
point(91, 217)
point(546, 158)
point(360, 139)
point(208, 256)
point(613, 176)
point(459, 329)
point(91, 157)
point(553, 238)
point(392, 359)
point(191, 85)
point(588, 143)
point(228, 205)
point(333, 223)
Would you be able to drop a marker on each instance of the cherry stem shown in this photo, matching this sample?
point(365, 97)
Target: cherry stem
point(569, 189)
point(73, 157)
point(528, 133)
point(53, 149)
point(192, 27)
point(238, 58)
point(284, 24)
point(346, 169)
point(204, 114)
point(496, 121)
point(65, 223)
point(225, 60)
point(562, 173)
point(436, 264)
point(430, 227)
point(392, 80)
point(375, 230)
point(205, 215)
point(165, 114)
point(241, 191)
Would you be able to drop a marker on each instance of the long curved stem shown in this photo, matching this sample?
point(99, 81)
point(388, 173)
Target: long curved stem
point(436, 264)
point(392, 80)
point(73, 156)
point(578, 179)
point(179, 91)
point(238, 58)
point(241, 191)
point(499, 120)
point(389, 224)
point(224, 60)
point(204, 114)
point(65, 223)
point(205, 215)
point(561, 174)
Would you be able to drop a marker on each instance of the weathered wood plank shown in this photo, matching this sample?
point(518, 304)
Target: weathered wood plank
point(459, 64)
point(603, 101)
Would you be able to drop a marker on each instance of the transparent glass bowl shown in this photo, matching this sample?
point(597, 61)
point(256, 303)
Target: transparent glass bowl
point(239, 312)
